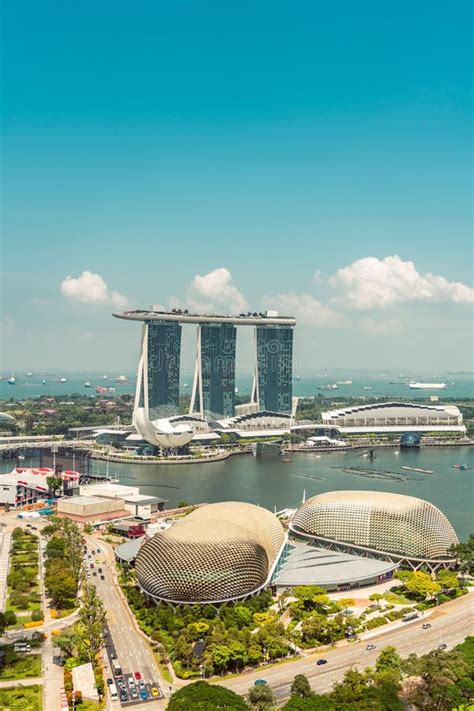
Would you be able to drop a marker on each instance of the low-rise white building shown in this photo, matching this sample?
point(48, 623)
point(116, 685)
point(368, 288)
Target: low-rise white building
point(386, 417)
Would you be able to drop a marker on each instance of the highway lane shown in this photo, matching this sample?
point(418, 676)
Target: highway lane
point(133, 653)
point(449, 625)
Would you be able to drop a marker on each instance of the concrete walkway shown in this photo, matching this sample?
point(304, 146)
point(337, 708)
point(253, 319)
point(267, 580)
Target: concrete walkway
point(21, 682)
point(4, 561)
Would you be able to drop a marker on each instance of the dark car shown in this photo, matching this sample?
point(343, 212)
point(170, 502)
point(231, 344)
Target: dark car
point(370, 647)
point(123, 695)
point(426, 626)
point(110, 681)
point(92, 565)
point(100, 570)
point(260, 682)
point(321, 661)
point(102, 577)
point(442, 646)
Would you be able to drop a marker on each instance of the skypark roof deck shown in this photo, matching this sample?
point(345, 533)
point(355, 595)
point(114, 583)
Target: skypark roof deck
point(254, 319)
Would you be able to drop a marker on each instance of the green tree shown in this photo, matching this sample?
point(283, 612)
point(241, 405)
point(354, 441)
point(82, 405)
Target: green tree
point(419, 584)
point(261, 698)
point(54, 484)
point(376, 597)
point(464, 552)
point(202, 696)
point(447, 580)
point(92, 619)
point(300, 686)
point(3, 623)
point(315, 702)
point(388, 660)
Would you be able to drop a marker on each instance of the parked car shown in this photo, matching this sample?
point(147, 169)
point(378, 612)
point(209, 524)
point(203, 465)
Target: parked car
point(123, 695)
point(110, 681)
point(131, 682)
point(102, 577)
point(133, 693)
point(137, 675)
point(143, 694)
point(154, 691)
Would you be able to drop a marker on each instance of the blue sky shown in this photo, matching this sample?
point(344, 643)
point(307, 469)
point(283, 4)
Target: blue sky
point(148, 143)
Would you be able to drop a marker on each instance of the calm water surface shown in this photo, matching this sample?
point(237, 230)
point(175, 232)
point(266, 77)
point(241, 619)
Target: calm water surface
point(269, 482)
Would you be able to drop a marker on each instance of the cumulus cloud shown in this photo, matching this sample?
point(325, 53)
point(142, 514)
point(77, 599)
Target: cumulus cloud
point(306, 309)
point(90, 288)
point(212, 292)
point(372, 283)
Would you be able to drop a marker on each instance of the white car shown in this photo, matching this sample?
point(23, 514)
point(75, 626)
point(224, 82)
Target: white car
point(131, 683)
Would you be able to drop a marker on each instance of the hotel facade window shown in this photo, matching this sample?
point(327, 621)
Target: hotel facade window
point(274, 368)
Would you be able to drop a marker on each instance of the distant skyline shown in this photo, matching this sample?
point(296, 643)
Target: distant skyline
point(311, 157)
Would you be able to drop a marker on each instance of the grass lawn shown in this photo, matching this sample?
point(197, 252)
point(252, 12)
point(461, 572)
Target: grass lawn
point(163, 669)
point(27, 666)
point(395, 599)
point(28, 698)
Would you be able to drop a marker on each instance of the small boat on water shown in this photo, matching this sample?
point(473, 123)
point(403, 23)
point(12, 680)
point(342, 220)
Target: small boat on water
point(121, 379)
point(12, 380)
point(418, 469)
point(104, 377)
point(43, 382)
point(426, 386)
point(87, 384)
point(110, 390)
point(461, 467)
point(344, 382)
point(286, 460)
point(62, 380)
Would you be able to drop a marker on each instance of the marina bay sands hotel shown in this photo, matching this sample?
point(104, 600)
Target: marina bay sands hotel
point(213, 392)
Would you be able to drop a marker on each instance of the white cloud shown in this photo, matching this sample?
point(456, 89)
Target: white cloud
point(387, 326)
point(212, 292)
point(90, 288)
point(305, 308)
point(318, 277)
point(372, 283)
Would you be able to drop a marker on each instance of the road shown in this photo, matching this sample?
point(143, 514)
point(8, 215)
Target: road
point(449, 625)
point(133, 652)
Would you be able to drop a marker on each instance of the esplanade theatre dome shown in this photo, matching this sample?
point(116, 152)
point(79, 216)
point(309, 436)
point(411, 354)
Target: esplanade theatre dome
point(389, 523)
point(219, 552)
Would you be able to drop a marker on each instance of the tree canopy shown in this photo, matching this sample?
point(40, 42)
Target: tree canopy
point(202, 696)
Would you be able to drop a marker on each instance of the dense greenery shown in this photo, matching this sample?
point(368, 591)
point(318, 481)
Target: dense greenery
point(234, 636)
point(439, 680)
point(55, 414)
point(19, 666)
point(27, 698)
point(201, 696)
point(63, 568)
point(464, 552)
point(23, 587)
